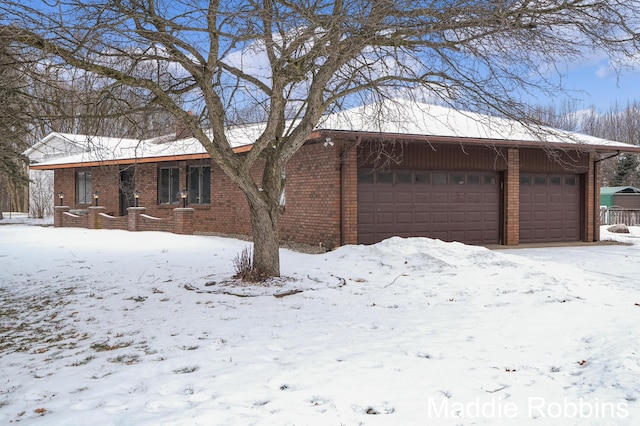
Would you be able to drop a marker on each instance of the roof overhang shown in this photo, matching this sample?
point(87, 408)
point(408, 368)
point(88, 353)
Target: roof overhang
point(321, 135)
point(126, 161)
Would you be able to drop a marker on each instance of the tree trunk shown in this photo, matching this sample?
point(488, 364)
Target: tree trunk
point(266, 244)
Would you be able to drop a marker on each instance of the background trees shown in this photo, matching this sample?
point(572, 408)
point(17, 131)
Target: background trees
point(615, 123)
point(13, 134)
point(292, 61)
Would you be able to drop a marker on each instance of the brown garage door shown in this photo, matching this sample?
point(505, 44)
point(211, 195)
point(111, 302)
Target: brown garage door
point(451, 205)
point(549, 208)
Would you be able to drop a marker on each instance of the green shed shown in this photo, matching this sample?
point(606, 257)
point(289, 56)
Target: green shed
point(625, 197)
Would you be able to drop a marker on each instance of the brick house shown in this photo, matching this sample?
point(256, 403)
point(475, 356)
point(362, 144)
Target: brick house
point(452, 175)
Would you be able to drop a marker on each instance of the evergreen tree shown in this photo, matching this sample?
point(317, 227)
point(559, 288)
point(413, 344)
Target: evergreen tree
point(626, 172)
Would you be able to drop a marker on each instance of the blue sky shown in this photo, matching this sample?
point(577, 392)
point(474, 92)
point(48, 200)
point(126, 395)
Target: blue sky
point(599, 85)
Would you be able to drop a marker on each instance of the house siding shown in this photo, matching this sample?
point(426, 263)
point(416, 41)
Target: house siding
point(549, 161)
point(414, 155)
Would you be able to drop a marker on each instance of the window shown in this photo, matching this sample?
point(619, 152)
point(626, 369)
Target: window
point(423, 178)
point(473, 179)
point(540, 180)
point(456, 179)
point(365, 176)
point(199, 185)
point(83, 187)
point(403, 177)
point(385, 177)
point(168, 185)
point(439, 178)
point(525, 180)
point(489, 180)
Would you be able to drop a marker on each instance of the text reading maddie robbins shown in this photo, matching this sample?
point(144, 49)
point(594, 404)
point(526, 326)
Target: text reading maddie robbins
point(533, 407)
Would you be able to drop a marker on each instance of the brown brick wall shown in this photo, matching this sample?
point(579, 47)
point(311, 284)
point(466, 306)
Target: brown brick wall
point(64, 181)
point(311, 214)
point(105, 180)
point(592, 201)
point(349, 195)
point(512, 198)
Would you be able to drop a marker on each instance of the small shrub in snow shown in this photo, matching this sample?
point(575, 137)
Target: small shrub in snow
point(243, 264)
point(620, 228)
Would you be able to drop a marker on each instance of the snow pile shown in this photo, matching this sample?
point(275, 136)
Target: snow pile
point(146, 328)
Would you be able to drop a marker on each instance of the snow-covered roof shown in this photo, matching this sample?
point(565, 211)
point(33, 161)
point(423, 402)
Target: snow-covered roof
point(398, 117)
point(63, 145)
point(406, 117)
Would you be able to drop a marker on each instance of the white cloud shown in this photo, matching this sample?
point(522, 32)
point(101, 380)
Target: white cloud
point(603, 71)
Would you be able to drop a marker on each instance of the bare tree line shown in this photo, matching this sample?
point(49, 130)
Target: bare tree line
point(618, 123)
point(38, 99)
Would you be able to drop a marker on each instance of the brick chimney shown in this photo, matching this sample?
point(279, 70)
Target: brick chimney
point(182, 130)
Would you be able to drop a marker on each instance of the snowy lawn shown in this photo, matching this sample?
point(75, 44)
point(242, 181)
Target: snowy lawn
point(118, 328)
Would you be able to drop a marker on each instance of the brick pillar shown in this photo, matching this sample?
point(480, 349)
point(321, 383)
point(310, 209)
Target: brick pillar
point(93, 219)
point(58, 215)
point(183, 220)
point(512, 198)
point(592, 200)
point(349, 194)
point(135, 223)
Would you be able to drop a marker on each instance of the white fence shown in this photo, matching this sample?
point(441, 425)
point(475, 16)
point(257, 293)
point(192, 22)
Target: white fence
point(614, 216)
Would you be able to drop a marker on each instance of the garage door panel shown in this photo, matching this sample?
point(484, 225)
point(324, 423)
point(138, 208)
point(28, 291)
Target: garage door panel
point(456, 198)
point(365, 218)
point(422, 218)
point(439, 235)
point(550, 209)
point(475, 198)
point(455, 235)
point(490, 217)
point(439, 198)
point(384, 197)
point(539, 198)
point(457, 217)
point(451, 206)
point(422, 198)
point(366, 197)
point(539, 216)
point(475, 217)
point(475, 234)
point(556, 216)
point(385, 217)
point(440, 217)
point(404, 217)
point(404, 198)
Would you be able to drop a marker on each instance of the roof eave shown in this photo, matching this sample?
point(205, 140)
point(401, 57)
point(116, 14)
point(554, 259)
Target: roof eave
point(124, 161)
point(321, 134)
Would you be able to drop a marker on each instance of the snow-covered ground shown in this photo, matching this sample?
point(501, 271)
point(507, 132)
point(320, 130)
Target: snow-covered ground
point(118, 328)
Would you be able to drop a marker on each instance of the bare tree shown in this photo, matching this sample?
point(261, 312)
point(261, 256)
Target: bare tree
point(13, 134)
point(41, 193)
point(621, 124)
point(291, 61)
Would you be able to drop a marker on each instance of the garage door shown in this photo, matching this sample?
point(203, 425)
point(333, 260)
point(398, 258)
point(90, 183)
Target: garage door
point(549, 208)
point(451, 206)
